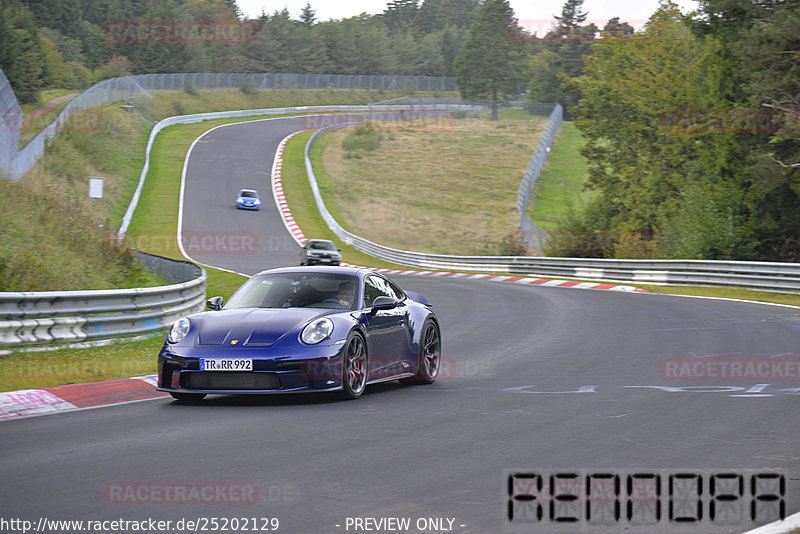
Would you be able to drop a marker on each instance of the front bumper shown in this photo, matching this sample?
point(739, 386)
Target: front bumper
point(311, 260)
point(319, 371)
point(247, 206)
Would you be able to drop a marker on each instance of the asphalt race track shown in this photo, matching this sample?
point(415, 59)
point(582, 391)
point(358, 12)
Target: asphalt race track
point(534, 379)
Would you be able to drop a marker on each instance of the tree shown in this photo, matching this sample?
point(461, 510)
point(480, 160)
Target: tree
point(438, 14)
point(769, 56)
point(570, 42)
point(545, 85)
point(117, 67)
point(9, 45)
point(308, 16)
point(571, 17)
point(400, 16)
point(616, 28)
point(29, 68)
point(660, 170)
point(487, 64)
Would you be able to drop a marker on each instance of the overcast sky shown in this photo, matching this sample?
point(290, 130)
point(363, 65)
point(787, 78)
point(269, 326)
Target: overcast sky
point(531, 13)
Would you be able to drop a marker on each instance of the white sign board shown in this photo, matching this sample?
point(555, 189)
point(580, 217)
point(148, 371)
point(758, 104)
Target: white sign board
point(95, 187)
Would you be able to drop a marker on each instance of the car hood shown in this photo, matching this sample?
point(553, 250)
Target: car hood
point(254, 327)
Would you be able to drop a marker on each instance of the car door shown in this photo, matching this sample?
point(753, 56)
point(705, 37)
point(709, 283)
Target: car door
point(386, 329)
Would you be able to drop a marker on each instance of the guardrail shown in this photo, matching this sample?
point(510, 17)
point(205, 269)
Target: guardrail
point(781, 277)
point(28, 318)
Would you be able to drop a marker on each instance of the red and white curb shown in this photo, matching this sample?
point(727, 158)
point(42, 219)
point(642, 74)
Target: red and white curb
point(280, 197)
point(523, 280)
point(72, 397)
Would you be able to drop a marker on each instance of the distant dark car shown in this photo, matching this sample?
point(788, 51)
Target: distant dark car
point(320, 252)
point(248, 199)
point(302, 329)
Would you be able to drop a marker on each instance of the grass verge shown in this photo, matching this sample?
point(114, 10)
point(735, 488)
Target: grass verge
point(560, 183)
point(123, 358)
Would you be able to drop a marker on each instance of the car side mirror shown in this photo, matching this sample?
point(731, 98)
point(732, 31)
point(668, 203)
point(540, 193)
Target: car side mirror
point(383, 303)
point(214, 303)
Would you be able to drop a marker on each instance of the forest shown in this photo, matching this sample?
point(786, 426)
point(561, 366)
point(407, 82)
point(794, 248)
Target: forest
point(691, 123)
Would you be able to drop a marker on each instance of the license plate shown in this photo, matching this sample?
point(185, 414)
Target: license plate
point(226, 364)
point(324, 259)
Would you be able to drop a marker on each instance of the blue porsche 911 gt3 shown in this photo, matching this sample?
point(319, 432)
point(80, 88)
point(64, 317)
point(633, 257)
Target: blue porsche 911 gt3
point(303, 329)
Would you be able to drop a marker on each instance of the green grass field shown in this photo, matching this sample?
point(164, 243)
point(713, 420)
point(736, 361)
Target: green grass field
point(561, 180)
point(448, 186)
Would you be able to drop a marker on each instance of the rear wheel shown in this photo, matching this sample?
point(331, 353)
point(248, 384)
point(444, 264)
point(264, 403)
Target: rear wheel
point(354, 366)
point(188, 397)
point(430, 354)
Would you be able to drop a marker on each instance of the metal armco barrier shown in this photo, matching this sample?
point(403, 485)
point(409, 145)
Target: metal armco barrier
point(29, 318)
point(782, 277)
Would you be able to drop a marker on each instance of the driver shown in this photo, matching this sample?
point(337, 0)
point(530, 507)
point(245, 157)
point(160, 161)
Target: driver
point(345, 294)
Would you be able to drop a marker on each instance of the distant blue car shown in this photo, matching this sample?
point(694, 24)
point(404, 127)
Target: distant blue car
point(303, 329)
point(248, 199)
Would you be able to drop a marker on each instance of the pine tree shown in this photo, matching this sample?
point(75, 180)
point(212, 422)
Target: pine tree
point(486, 65)
point(308, 16)
point(571, 17)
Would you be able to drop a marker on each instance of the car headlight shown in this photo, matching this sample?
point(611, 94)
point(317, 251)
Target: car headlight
point(179, 330)
point(316, 331)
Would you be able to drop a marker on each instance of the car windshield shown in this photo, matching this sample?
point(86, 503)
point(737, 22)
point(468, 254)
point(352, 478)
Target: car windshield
point(249, 194)
point(296, 290)
point(321, 245)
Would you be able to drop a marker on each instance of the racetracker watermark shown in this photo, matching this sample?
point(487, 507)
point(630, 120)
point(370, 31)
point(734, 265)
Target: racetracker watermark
point(63, 369)
point(181, 493)
point(388, 121)
point(88, 120)
point(223, 243)
point(711, 121)
point(772, 369)
point(169, 32)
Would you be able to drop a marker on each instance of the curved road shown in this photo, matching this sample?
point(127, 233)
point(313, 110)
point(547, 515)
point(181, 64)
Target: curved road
point(534, 378)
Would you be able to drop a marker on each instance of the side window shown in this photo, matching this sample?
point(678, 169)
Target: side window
point(371, 291)
point(399, 295)
point(375, 287)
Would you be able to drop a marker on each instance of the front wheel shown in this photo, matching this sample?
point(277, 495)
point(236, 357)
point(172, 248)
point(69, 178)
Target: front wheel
point(354, 366)
point(430, 354)
point(188, 397)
